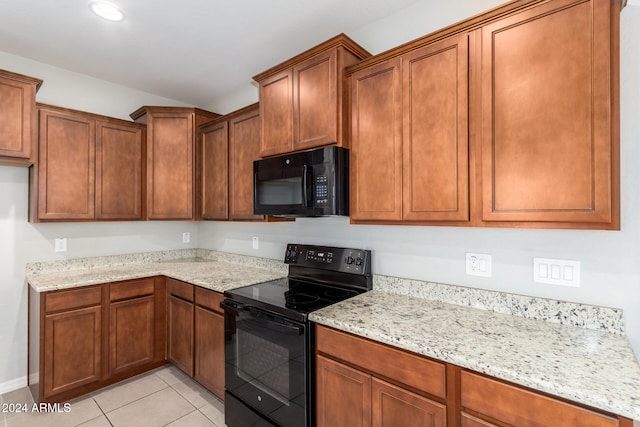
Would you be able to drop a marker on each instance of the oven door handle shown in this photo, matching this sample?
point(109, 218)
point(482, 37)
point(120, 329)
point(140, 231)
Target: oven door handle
point(279, 321)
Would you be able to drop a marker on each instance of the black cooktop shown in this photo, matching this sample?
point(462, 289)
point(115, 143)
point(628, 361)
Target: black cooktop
point(318, 277)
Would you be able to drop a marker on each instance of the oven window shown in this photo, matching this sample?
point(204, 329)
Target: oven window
point(286, 191)
point(270, 356)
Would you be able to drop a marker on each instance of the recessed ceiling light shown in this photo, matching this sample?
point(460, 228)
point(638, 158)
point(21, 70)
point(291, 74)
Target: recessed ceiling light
point(106, 10)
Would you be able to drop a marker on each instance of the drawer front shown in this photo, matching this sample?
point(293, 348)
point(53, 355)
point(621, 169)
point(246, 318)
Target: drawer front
point(520, 407)
point(180, 289)
point(399, 365)
point(131, 289)
point(73, 298)
point(209, 299)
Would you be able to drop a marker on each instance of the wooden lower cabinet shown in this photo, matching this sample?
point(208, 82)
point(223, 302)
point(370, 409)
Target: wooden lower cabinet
point(195, 333)
point(486, 401)
point(180, 325)
point(360, 395)
point(72, 349)
point(360, 382)
point(83, 339)
point(209, 341)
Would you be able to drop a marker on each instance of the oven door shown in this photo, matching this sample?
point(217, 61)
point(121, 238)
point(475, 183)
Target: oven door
point(265, 358)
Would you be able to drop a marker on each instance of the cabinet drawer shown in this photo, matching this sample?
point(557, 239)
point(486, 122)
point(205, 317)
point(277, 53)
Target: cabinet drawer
point(399, 365)
point(73, 298)
point(131, 289)
point(520, 407)
point(180, 289)
point(209, 299)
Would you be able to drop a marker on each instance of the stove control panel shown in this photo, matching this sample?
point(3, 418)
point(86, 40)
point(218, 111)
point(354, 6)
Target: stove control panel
point(356, 261)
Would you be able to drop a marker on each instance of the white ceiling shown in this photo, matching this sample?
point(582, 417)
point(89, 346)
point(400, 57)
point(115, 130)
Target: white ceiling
point(188, 50)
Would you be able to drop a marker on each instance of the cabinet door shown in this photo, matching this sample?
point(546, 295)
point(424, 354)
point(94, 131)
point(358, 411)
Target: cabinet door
point(435, 132)
point(547, 148)
point(209, 350)
point(180, 333)
point(315, 102)
point(170, 166)
point(343, 395)
point(17, 115)
point(72, 350)
point(119, 151)
point(131, 333)
point(244, 142)
point(395, 407)
point(214, 145)
point(66, 167)
point(376, 143)
point(276, 114)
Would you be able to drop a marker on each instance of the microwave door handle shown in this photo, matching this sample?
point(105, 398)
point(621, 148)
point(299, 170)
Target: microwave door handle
point(304, 186)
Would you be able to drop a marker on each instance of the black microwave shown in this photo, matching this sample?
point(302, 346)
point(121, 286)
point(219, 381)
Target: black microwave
point(308, 183)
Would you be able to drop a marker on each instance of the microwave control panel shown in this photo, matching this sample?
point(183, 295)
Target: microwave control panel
point(322, 190)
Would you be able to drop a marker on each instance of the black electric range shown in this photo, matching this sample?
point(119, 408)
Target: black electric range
point(269, 341)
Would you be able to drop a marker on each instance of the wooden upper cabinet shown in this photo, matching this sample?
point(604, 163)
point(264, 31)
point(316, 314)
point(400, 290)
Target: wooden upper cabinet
point(119, 173)
point(376, 142)
point(409, 141)
point(214, 146)
point(550, 115)
point(244, 143)
point(66, 166)
point(171, 162)
point(301, 100)
point(228, 147)
point(435, 141)
point(18, 118)
point(89, 168)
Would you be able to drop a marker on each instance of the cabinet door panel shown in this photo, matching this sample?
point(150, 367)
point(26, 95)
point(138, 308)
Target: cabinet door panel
point(180, 334)
point(395, 407)
point(546, 114)
point(66, 166)
point(343, 395)
point(215, 171)
point(119, 151)
point(209, 350)
point(376, 143)
point(315, 101)
point(276, 114)
point(244, 140)
point(17, 112)
point(435, 132)
point(170, 166)
point(72, 350)
point(131, 333)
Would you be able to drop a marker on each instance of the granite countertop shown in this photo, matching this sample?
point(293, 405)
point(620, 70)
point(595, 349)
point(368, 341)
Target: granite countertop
point(213, 272)
point(592, 367)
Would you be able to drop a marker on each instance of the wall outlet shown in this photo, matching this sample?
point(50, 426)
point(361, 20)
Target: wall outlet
point(186, 237)
point(561, 272)
point(478, 264)
point(256, 242)
point(60, 244)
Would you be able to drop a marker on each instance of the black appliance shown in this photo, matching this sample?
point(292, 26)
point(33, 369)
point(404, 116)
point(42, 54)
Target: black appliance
point(308, 183)
point(269, 341)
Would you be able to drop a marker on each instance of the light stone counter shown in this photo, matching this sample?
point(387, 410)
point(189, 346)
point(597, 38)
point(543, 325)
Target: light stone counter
point(593, 367)
point(208, 269)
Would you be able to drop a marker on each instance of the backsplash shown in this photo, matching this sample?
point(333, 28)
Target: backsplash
point(549, 310)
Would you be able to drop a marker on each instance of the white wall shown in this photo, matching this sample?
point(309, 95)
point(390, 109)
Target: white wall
point(609, 259)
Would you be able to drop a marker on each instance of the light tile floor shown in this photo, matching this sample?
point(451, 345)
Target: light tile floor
point(162, 397)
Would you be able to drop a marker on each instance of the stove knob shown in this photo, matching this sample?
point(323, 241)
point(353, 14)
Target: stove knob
point(349, 260)
point(358, 261)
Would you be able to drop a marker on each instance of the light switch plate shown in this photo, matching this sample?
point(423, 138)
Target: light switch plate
point(60, 244)
point(561, 272)
point(186, 237)
point(478, 264)
point(256, 243)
